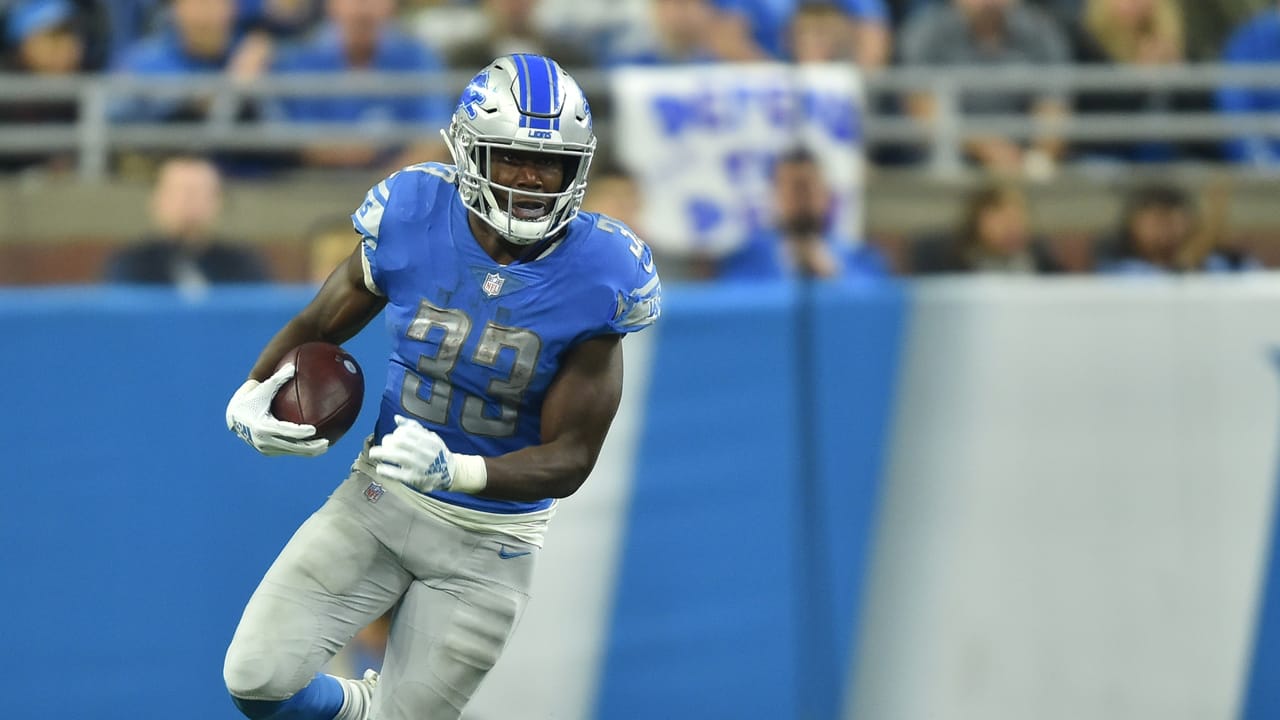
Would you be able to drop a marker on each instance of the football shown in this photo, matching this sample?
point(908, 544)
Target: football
point(326, 391)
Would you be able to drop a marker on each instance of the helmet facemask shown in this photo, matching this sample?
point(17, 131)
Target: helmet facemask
point(524, 103)
point(494, 204)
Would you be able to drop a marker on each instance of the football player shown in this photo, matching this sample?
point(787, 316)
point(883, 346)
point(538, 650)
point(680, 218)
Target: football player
point(506, 307)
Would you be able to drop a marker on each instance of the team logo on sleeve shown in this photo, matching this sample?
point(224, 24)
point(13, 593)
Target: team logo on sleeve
point(374, 492)
point(492, 284)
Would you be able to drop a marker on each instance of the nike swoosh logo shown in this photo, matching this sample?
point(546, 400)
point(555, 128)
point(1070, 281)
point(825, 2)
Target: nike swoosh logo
point(506, 554)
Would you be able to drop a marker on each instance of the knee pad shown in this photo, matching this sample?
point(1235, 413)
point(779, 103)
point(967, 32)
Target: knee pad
point(322, 697)
point(253, 676)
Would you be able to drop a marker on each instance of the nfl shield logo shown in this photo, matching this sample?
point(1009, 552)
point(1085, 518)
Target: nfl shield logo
point(373, 492)
point(493, 284)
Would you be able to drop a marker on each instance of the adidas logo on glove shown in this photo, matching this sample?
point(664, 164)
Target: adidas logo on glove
point(440, 466)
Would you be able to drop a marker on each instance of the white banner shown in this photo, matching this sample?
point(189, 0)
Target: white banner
point(701, 141)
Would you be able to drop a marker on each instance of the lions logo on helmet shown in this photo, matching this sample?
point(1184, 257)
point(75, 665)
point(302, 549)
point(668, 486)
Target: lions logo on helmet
point(529, 103)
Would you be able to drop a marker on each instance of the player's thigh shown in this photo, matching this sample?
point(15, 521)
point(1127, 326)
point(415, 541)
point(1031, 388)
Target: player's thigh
point(333, 577)
point(447, 635)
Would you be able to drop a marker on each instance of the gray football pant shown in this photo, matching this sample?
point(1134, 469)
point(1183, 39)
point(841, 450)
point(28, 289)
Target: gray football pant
point(458, 601)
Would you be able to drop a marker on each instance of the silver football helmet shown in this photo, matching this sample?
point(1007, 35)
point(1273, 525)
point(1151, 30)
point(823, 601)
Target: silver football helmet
point(528, 103)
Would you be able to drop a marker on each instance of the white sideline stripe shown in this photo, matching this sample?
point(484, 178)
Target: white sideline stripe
point(1077, 507)
point(552, 666)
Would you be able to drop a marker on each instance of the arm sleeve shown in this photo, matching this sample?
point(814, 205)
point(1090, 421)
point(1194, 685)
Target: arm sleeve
point(639, 308)
point(367, 220)
point(394, 209)
point(638, 297)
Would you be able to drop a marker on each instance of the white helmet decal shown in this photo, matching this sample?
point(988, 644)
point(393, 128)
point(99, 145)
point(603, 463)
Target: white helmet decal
point(527, 103)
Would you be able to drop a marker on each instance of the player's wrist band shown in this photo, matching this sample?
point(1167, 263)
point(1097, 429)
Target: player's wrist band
point(471, 474)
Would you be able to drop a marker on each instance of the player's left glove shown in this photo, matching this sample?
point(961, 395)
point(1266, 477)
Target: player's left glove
point(417, 457)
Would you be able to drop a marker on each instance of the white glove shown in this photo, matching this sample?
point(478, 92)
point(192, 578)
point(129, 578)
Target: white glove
point(249, 416)
point(417, 457)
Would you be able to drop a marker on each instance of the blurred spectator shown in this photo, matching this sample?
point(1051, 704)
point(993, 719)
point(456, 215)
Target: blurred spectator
point(45, 41)
point(615, 192)
point(105, 27)
point(1160, 232)
point(1209, 24)
point(821, 33)
point(877, 100)
point(329, 243)
point(1256, 43)
point(757, 29)
point(511, 28)
point(442, 24)
point(200, 39)
point(801, 242)
point(43, 38)
point(1064, 12)
point(1138, 33)
point(995, 33)
point(278, 18)
point(681, 32)
point(183, 251)
point(115, 26)
point(994, 237)
point(902, 10)
point(596, 26)
point(361, 35)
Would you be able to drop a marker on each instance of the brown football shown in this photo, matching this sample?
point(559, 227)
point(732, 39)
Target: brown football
point(326, 391)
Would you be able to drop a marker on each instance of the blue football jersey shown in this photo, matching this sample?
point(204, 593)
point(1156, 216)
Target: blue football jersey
point(475, 344)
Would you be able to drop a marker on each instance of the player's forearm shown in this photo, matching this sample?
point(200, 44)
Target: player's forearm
point(576, 414)
point(304, 328)
point(341, 308)
point(554, 470)
point(295, 333)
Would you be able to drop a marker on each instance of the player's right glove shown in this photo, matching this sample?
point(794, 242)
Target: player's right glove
point(249, 416)
point(415, 456)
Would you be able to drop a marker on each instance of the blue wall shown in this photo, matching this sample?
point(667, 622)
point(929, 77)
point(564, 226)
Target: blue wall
point(734, 601)
point(138, 526)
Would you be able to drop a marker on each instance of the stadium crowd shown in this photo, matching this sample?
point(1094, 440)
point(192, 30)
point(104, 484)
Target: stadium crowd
point(248, 39)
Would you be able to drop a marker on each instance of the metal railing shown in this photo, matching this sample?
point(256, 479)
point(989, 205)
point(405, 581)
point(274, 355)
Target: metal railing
point(95, 135)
